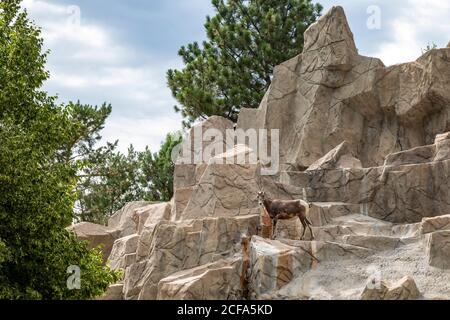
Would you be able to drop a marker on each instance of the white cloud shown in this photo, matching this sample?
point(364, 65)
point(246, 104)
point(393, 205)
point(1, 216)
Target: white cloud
point(144, 132)
point(417, 24)
point(88, 63)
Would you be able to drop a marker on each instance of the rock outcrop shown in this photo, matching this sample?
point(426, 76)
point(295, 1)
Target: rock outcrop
point(96, 236)
point(215, 281)
point(404, 289)
point(330, 94)
point(367, 145)
point(338, 158)
point(438, 249)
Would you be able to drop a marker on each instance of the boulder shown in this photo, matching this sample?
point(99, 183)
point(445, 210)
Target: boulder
point(434, 224)
point(438, 249)
point(152, 213)
point(123, 253)
point(404, 289)
point(125, 220)
point(442, 137)
point(423, 154)
point(114, 292)
point(219, 280)
point(338, 158)
point(226, 190)
point(187, 175)
point(440, 151)
point(273, 263)
point(373, 242)
point(181, 197)
point(96, 235)
point(209, 135)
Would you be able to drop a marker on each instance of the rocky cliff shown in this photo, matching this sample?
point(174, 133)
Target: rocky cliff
point(365, 143)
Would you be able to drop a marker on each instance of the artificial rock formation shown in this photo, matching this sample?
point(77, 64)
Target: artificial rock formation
point(404, 289)
point(439, 249)
point(330, 94)
point(215, 281)
point(338, 158)
point(367, 145)
point(96, 236)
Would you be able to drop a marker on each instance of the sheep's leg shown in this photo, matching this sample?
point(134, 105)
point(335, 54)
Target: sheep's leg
point(309, 227)
point(274, 227)
point(312, 233)
point(304, 228)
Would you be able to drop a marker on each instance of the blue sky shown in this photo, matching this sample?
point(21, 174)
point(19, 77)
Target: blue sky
point(118, 51)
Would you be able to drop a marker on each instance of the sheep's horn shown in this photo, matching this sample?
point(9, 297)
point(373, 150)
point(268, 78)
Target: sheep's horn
point(261, 189)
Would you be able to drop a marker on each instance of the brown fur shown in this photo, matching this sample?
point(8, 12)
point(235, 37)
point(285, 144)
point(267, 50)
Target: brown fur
point(285, 210)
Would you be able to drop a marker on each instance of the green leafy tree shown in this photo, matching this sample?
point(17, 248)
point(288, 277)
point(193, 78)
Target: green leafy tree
point(233, 68)
point(158, 169)
point(107, 185)
point(37, 188)
point(88, 121)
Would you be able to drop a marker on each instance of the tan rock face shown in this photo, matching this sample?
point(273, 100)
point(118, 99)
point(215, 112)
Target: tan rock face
point(224, 191)
point(330, 94)
point(276, 263)
point(176, 246)
point(151, 214)
point(193, 152)
point(123, 253)
point(214, 281)
point(114, 292)
point(438, 248)
point(439, 223)
point(338, 158)
point(125, 220)
point(442, 137)
point(404, 289)
point(400, 194)
point(440, 151)
point(96, 235)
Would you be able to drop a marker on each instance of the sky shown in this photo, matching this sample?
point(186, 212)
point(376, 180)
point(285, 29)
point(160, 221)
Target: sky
point(118, 51)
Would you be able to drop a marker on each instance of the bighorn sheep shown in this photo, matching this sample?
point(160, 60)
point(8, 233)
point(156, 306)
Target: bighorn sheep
point(284, 210)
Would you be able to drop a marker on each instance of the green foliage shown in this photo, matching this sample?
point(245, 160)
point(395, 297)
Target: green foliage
point(37, 184)
point(87, 122)
point(158, 169)
point(233, 69)
point(108, 185)
point(429, 47)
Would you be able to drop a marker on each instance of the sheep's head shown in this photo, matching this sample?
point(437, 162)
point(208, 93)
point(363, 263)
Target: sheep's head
point(261, 197)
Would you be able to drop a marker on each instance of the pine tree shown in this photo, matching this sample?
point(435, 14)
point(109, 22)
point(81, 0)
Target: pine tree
point(114, 179)
point(233, 68)
point(158, 169)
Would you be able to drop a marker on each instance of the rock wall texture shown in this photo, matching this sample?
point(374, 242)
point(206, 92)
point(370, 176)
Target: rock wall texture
point(367, 145)
point(330, 94)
